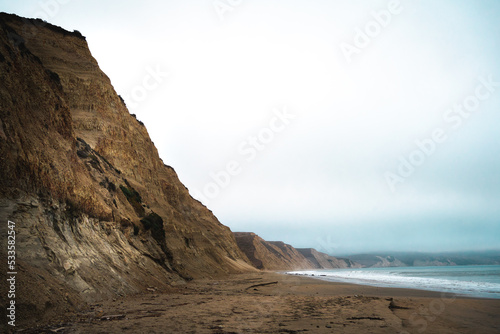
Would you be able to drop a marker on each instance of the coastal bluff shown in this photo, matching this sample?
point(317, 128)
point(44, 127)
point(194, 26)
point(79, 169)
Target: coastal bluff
point(97, 213)
point(277, 255)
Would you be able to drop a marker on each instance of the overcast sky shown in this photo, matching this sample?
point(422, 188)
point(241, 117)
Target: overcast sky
point(348, 126)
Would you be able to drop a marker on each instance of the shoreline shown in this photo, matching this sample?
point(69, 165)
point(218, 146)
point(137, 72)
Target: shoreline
point(405, 291)
point(272, 302)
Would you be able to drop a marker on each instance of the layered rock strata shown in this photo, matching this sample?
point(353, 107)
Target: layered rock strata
point(277, 255)
point(97, 212)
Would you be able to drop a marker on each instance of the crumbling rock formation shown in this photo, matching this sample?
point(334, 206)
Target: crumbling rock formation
point(98, 214)
point(276, 255)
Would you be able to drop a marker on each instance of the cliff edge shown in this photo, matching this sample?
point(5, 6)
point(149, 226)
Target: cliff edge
point(97, 213)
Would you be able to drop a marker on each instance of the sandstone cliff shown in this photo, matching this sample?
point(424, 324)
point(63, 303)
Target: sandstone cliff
point(97, 212)
point(270, 255)
point(276, 255)
point(325, 261)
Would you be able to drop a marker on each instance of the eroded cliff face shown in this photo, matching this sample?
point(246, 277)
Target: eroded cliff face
point(97, 212)
point(325, 261)
point(270, 255)
point(277, 255)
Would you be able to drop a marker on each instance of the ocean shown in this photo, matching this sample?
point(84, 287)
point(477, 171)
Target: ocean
point(473, 281)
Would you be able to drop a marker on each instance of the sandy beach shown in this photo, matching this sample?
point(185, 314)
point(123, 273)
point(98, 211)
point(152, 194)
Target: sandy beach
point(268, 302)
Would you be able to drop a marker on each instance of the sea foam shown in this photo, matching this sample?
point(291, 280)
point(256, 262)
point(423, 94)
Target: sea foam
point(474, 281)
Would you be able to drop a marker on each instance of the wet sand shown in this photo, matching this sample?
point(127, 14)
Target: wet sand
point(269, 302)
